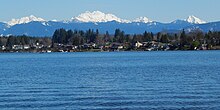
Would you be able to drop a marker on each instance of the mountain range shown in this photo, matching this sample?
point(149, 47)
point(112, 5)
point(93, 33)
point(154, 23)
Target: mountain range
point(35, 26)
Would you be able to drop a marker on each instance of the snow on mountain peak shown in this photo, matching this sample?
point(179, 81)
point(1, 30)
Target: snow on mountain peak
point(143, 20)
point(195, 20)
point(24, 20)
point(97, 16)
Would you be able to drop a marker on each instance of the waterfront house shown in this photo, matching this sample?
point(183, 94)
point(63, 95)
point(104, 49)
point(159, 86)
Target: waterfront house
point(3, 47)
point(26, 47)
point(204, 47)
point(17, 47)
point(116, 46)
point(138, 44)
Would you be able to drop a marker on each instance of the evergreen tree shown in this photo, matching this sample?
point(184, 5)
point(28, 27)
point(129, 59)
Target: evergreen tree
point(10, 42)
point(164, 38)
point(107, 37)
point(183, 38)
point(117, 35)
point(1, 42)
point(121, 37)
point(147, 37)
point(69, 35)
point(158, 36)
point(55, 38)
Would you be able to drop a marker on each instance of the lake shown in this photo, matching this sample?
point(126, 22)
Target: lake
point(111, 80)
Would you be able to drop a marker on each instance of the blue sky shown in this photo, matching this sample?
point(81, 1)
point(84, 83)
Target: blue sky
point(159, 10)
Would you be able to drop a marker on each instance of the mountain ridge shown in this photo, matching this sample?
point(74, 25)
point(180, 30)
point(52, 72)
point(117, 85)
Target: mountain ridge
point(36, 26)
point(24, 20)
point(97, 17)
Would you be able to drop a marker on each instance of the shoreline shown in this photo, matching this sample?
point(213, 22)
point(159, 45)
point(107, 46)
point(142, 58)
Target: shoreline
point(112, 51)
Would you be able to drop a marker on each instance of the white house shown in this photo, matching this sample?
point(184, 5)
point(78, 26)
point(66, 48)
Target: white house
point(138, 44)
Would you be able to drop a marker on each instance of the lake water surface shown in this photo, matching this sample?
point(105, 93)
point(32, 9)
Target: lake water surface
point(111, 80)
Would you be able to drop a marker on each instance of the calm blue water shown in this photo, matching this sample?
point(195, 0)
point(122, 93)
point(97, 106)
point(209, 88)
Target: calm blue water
point(121, 80)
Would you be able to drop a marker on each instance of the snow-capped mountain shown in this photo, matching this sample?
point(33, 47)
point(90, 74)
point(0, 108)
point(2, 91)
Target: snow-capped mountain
point(24, 20)
point(142, 20)
point(35, 26)
point(97, 17)
point(194, 20)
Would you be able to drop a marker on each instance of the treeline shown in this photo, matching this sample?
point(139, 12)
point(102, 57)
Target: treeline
point(76, 37)
point(10, 41)
point(178, 41)
point(182, 40)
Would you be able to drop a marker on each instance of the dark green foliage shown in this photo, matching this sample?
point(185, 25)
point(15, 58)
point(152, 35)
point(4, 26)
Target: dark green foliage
point(182, 41)
point(107, 37)
point(17, 40)
point(164, 38)
point(23, 40)
point(119, 36)
point(147, 37)
point(60, 36)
